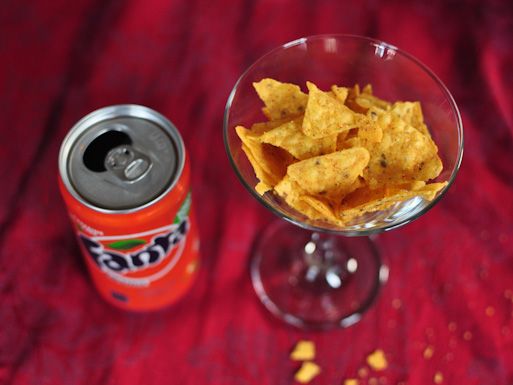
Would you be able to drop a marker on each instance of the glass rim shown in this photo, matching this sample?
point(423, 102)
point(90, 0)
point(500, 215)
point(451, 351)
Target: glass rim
point(341, 230)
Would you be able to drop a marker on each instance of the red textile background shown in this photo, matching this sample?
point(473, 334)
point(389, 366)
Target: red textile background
point(452, 270)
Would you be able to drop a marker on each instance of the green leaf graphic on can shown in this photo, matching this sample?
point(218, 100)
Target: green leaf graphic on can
point(126, 244)
point(184, 209)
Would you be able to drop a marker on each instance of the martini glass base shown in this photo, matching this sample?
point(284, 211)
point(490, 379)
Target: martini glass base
point(315, 280)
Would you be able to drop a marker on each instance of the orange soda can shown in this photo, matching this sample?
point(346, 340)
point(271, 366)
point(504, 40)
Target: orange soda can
point(125, 179)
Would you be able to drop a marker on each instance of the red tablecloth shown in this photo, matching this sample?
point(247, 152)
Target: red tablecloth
point(451, 271)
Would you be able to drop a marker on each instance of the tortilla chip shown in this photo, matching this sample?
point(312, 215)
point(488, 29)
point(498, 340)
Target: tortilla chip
point(282, 100)
point(326, 208)
point(271, 162)
point(366, 200)
point(325, 115)
point(403, 155)
point(336, 156)
point(411, 113)
point(292, 194)
point(290, 137)
point(340, 93)
point(332, 175)
point(264, 178)
point(258, 129)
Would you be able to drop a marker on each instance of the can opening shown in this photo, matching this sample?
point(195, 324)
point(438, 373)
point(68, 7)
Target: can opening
point(95, 154)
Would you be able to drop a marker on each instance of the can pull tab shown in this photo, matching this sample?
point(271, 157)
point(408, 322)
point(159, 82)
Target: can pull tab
point(127, 163)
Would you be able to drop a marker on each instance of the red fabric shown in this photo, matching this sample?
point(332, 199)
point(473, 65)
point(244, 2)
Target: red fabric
point(62, 59)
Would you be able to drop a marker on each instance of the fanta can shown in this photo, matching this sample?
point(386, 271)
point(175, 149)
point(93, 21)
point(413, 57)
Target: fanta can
point(125, 179)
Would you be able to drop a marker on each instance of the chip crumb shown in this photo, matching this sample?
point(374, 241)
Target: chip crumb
point(373, 381)
point(363, 372)
point(397, 303)
point(490, 311)
point(377, 360)
point(351, 381)
point(428, 352)
point(467, 336)
point(307, 372)
point(439, 378)
point(452, 326)
point(303, 351)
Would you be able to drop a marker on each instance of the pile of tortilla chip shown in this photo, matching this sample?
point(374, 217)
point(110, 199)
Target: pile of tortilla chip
point(336, 155)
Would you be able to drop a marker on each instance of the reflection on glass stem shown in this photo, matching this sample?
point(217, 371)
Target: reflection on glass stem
point(325, 263)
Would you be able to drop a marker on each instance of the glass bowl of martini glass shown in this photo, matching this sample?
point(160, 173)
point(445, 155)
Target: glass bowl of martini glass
point(313, 273)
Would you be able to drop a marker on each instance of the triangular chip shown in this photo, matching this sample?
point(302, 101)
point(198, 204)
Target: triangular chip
point(411, 113)
point(403, 155)
point(340, 93)
point(431, 190)
point(378, 200)
point(290, 137)
point(368, 100)
point(273, 161)
point(282, 100)
point(261, 127)
point(368, 133)
point(415, 185)
point(352, 95)
point(332, 175)
point(292, 194)
point(367, 89)
point(325, 115)
point(264, 178)
point(345, 156)
point(365, 200)
point(326, 208)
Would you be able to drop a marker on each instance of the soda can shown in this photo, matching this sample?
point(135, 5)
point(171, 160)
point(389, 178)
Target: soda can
point(125, 179)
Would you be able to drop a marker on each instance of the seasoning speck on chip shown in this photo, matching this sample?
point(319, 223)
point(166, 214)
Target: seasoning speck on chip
point(303, 351)
point(377, 360)
point(307, 372)
point(337, 155)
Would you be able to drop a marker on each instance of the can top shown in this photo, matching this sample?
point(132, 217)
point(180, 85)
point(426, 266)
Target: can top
point(121, 158)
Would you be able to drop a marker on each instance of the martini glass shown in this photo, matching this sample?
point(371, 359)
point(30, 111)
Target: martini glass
point(313, 274)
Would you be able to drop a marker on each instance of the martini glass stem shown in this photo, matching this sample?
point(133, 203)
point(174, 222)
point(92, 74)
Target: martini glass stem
point(325, 266)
